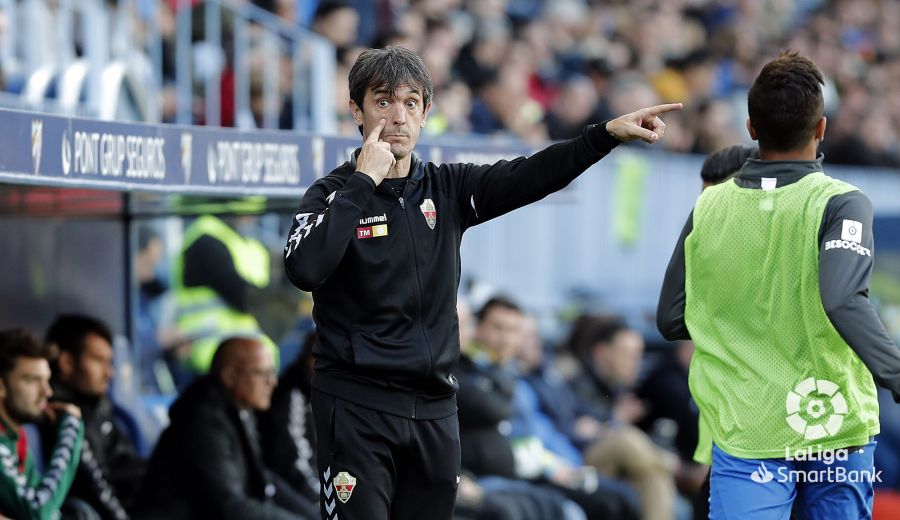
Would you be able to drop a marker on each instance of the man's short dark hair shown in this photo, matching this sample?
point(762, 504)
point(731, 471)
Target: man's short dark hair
point(389, 68)
point(722, 164)
point(69, 331)
point(590, 329)
point(785, 102)
point(326, 7)
point(499, 302)
point(607, 330)
point(15, 344)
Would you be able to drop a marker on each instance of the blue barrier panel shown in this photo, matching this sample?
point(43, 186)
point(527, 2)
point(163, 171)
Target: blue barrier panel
point(62, 151)
point(124, 156)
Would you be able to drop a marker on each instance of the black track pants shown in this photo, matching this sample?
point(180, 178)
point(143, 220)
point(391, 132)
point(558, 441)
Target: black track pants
point(376, 466)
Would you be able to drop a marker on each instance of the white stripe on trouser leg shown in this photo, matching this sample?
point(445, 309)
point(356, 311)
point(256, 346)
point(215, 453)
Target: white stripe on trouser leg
point(327, 491)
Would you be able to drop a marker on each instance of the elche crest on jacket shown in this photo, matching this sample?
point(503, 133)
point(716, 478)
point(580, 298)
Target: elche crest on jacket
point(430, 212)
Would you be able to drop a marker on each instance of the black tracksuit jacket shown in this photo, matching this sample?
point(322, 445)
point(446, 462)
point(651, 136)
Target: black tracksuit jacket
point(384, 269)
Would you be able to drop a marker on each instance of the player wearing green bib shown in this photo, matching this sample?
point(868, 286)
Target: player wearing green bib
point(770, 279)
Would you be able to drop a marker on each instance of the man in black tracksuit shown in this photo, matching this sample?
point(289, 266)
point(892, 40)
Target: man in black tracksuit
point(377, 243)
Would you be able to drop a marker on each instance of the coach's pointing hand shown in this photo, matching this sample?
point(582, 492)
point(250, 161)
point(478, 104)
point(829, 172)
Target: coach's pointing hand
point(644, 124)
point(375, 159)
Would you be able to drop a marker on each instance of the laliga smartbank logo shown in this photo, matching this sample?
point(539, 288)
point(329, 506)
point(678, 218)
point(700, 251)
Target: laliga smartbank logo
point(809, 402)
point(791, 469)
point(815, 409)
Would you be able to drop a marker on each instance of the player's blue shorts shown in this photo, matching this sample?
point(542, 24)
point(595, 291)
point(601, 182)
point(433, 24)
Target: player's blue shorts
point(839, 485)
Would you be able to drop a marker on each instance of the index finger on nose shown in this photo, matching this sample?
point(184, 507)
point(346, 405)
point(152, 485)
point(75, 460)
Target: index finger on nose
point(373, 136)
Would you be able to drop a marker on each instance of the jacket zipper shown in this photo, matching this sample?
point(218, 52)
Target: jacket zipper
point(418, 288)
point(419, 296)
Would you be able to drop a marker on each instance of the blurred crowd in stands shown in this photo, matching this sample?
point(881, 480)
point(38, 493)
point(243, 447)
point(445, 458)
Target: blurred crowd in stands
point(536, 70)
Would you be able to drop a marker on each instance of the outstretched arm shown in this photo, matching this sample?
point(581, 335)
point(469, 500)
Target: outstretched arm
point(491, 190)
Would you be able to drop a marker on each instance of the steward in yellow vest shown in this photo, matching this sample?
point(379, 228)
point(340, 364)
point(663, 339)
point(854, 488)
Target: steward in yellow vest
point(212, 277)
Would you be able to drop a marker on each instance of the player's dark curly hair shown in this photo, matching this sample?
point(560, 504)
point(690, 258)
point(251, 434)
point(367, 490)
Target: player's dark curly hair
point(786, 103)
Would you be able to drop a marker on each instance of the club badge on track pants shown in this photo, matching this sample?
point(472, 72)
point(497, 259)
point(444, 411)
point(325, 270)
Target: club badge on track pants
point(377, 466)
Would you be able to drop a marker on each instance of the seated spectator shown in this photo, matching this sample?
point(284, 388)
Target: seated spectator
point(605, 361)
point(530, 418)
point(337, 21)
point(601, 365)
point(156, 338)
point(150, 290)
point(110, 470)
point(667, 397)
point(488, 409)
point(573, 108)
point(557, 401)
point(24, 395)
point(494, 497)
point(208, 462)
point(484, 401)
point(286, 428)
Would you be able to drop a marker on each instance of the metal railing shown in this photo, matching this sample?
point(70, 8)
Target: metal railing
point(96, 59)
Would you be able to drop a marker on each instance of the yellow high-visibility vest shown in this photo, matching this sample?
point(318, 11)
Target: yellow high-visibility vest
point(202, 314)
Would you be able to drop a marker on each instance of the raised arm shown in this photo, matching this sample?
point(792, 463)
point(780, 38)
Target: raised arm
point(489, 191)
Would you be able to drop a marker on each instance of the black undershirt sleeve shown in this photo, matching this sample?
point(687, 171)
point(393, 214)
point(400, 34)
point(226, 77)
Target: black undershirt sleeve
point(846, 249)
point(670, 311)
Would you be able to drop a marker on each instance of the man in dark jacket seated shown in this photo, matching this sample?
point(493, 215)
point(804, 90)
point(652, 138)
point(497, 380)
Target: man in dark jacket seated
point(486, 401)
point(110, 470)
point(208, 462)
point(286, 428)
